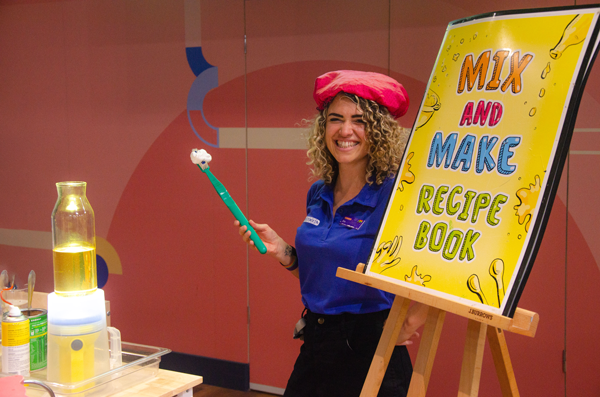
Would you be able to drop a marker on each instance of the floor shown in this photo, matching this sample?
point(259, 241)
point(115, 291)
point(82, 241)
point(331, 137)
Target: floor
point(214, 391)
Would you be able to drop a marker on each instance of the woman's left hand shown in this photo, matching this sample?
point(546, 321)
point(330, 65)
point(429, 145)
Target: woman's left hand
point(404, 340)
point(416, 316)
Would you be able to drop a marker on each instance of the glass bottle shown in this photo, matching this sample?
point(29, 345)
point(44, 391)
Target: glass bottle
point(73, 241)
point(574, 33)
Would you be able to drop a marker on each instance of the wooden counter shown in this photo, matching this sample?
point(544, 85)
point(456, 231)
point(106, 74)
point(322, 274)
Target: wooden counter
point(165, 384)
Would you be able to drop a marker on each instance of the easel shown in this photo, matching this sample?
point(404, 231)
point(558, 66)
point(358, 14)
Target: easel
point(480, 324)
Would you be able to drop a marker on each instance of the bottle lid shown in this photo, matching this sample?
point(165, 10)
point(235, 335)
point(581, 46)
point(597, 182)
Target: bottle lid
point(14, 311)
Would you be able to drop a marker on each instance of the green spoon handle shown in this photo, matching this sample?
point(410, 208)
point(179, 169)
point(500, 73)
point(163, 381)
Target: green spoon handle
point(237, 213)
point(235, 210)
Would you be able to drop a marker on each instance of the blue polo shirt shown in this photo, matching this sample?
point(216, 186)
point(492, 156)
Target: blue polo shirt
point(326, 241)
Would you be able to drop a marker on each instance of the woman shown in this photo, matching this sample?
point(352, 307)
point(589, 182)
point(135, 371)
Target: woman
point(355, 147)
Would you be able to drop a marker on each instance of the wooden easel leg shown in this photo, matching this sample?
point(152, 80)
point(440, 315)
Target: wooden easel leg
point(385, 348)
point(502, 362)
point(472, 359)
point(427, 349)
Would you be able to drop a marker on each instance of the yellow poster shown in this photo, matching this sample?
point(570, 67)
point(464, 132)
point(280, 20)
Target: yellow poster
point(485, 155)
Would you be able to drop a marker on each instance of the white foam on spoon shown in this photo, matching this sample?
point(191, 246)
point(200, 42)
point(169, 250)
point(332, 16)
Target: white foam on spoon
point(200, 157)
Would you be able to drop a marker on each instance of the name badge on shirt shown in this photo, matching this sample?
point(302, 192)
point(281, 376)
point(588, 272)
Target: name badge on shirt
point(314, 221)
point(352, 222)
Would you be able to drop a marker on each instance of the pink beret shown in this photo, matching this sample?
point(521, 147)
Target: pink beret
point(374, 86)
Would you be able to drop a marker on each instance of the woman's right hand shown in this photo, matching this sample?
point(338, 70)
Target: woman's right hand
point(275, 244)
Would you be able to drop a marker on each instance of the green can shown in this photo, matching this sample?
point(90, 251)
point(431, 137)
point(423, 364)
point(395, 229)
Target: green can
point(38, 334)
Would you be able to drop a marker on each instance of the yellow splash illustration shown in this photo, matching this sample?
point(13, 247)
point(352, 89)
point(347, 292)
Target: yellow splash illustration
point(386, 255)
point(546, 71)
point(416, 278)
point(475, 287)
point(431, 105)
point(574, 33)
point(406, 175)
point(528, 198)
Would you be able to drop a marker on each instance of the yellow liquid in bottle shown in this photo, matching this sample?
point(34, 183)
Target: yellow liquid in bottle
point(75, 270)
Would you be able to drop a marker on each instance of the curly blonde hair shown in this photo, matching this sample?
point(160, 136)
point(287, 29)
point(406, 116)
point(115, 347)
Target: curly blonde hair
point(384, 135)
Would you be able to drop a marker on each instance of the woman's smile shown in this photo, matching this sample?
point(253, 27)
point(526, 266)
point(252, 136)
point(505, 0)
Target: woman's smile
point(345, 132)
point(346, 144)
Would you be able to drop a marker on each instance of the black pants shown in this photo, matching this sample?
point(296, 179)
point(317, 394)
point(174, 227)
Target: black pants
point(337, 353)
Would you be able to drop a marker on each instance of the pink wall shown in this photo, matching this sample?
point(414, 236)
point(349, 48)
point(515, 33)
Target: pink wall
point(99, 90)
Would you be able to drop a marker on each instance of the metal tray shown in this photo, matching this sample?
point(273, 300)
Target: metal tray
point(140, 363)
